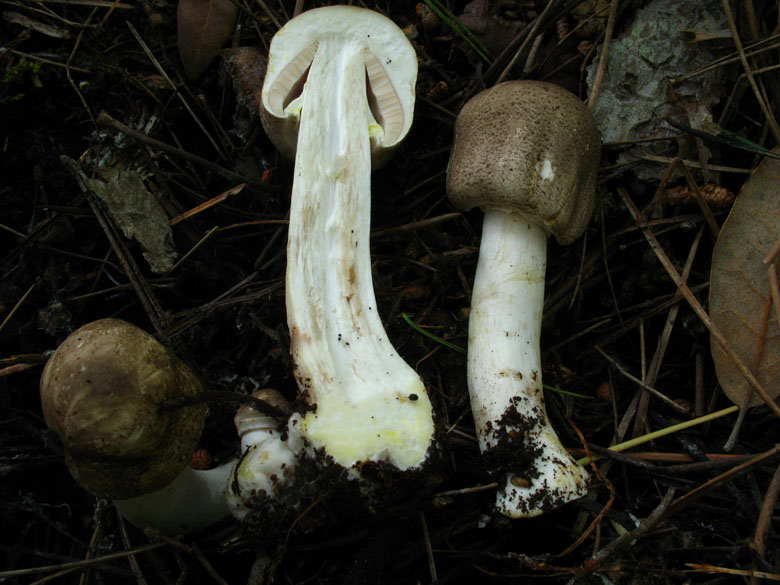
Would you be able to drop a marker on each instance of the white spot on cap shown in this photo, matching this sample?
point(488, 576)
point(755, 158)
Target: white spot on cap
point(545, 170)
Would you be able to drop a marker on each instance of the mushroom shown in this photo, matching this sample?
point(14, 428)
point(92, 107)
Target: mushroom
point(339, 93)
point(527, 154)
point(102, 391)
point(267, 462)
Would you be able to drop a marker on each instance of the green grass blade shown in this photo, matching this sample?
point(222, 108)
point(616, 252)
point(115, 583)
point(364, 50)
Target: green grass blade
point(460, 29)
point(430, 335)
point(459, 349)
point(663, 432)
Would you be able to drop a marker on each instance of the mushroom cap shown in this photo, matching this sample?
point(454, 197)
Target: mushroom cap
point(391, 71)
point(530, 147)
point(101, 393)
point(248, 419)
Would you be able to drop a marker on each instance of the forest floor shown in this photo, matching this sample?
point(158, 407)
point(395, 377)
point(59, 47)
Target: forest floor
point(92, 84)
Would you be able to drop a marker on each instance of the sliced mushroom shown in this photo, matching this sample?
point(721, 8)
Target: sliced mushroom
point(339, 95)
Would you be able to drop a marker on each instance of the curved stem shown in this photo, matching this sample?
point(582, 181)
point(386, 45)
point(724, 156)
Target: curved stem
point(192, 501)
point(504, 370)
point(370, 405)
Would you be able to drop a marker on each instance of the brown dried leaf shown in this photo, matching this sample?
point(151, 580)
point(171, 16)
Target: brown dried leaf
point(739, 285)
point(246, 67)
point(204, 26)
point(484, 20)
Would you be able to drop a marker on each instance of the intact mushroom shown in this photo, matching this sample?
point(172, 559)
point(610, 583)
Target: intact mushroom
point(527, 154)
point(339, 92)
point(101, 393)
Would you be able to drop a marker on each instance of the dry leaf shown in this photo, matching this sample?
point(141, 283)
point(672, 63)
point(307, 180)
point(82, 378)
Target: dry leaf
point(484, 21)
point(739, 285)
point(138, 213)
point(204, 26)
point(246, 68)
point(44, 28)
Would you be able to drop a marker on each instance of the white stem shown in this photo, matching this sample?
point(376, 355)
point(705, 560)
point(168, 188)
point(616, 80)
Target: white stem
point(266, 464)
point(370, 405)
point(504, 369)
point(191, 502)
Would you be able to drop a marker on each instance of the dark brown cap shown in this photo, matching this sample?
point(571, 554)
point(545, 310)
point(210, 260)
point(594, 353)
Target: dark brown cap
point(101, 392)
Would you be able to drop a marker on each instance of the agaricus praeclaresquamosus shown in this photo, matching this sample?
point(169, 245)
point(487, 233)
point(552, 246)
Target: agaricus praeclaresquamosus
point(339, 95)
point(527, 154)
point(102, 393)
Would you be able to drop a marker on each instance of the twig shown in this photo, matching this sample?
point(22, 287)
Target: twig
point(144, 292)
point(746, 66)
point(665, 431)
point(216, 200)
point(145, 48)
point(774, 289)
point(697, 307)
point(626, 539)
point(756, 48)
point(428, 548)
point(729, 475)
point(192, 250)
point(74, 565)
point(745, 404)
point(230, 397)
point(67, 70)
point(415, 225)
point(696, 164)
point(135, 567)
point(764, 522)
point(46, 61)
point(111, 4)
point(714, 569)
point(604, 509)
point(602, 67)
point(531, 35)
point(488, 487)
point(637, 457)
point(105, 119)
point(270, 13)
point(663, 341)
point(18, 304)
point(142, 289)
point(705, 209)
point(663, 398)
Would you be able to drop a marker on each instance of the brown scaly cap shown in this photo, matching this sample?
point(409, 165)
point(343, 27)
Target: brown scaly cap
point(101, 392)
point(531, 147)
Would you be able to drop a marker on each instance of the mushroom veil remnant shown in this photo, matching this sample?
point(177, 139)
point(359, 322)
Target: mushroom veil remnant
point(527, 154)
point(102, 393)
point(339, 95)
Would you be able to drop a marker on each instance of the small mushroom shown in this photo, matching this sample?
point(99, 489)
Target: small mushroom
point(267, 461)
point(102, 393)
point(339, 94)
point(527, 154)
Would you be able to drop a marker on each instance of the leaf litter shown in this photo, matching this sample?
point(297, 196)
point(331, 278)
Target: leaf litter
point(672, 513)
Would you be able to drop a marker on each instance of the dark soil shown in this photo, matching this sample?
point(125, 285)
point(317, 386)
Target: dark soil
point(64, 263)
